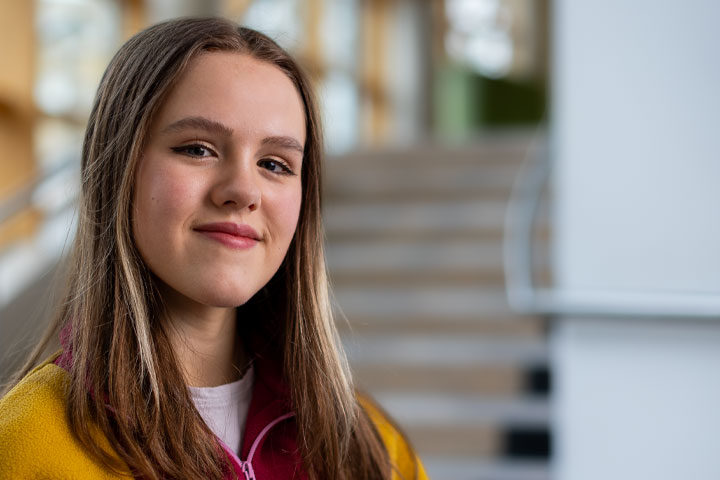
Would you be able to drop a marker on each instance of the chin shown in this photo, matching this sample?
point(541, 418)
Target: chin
point(219, 300)
point(225, 297)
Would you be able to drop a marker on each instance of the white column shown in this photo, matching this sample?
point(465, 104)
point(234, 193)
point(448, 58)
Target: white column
point(636, 145)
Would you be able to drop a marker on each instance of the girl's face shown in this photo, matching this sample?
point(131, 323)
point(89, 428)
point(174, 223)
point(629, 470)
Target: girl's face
point(218, 191)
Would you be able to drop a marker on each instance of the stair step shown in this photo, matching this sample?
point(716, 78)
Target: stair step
point(462, 234)
point(436, 180)
point(480, 441)
point(442, 278)
point(444, 350)
point(419, 262)
point(462, 411)
point(490, 380)
point(448, 302)
point(479, 279)
point(507, 147)
point(439, 193)
point(419, 217)
point(417, 256)
point(450, 467)
point(510, 325)
point(452, 218)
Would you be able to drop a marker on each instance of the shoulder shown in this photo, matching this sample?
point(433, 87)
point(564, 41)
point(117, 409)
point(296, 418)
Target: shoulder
point(34, 408)
point(407, 465)
point(35, 435)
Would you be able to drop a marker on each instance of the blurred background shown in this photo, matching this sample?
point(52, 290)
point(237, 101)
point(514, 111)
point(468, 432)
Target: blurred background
point(520, 206)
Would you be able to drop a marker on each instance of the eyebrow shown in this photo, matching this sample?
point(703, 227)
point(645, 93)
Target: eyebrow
point(284, 142)
point(200, 123)
point(204, 123)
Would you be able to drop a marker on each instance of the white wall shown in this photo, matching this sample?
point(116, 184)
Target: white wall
point(636, 144)
point(636, 400)
point(636, 123)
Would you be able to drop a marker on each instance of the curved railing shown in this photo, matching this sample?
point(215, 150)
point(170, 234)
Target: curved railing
point(53, 194)
point(525, 296)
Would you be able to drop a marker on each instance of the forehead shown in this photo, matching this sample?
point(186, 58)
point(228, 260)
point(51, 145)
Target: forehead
point(249, 96)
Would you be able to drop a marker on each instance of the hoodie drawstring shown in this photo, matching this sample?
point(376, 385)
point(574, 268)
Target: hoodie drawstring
point(246, 465)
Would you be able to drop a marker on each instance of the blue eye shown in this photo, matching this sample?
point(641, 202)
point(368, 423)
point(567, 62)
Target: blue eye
point(194, 150)
point(276, 166)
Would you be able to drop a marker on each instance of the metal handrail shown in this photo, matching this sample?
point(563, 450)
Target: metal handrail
point(523, 296)
point(53, 193)
point(23, 198)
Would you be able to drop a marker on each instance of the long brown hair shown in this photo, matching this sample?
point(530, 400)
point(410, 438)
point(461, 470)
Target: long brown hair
point(121, 352)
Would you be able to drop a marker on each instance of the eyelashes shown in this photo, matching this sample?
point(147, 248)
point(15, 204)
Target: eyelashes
point(272, 164)
point(276, 165)
point(195, 150)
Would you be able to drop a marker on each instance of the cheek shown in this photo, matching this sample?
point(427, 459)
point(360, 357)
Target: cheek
point(162, 199)
point(285, 214)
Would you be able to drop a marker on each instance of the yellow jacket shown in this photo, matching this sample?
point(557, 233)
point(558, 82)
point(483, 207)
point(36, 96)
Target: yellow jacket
point(36, 441)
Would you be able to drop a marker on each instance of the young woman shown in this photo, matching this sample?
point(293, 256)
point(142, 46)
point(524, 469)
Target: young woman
point(198, 341)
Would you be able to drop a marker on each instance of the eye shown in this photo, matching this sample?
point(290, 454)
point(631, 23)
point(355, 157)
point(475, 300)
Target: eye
point(195, 150)
point(275, 165)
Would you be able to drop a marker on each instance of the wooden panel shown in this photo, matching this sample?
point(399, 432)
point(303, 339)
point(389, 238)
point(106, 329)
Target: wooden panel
point(17, 113)
point(134, 17)
point(17, 43)
point(17, 166)
point(376, 115)
point(312, 52)
point(235, 9)
point(19, 227)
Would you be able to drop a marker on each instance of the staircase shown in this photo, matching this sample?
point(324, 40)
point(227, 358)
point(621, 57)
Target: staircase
point(414, 250)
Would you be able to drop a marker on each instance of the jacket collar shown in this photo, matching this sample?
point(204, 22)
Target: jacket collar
point(270, 441)
point(269, 448)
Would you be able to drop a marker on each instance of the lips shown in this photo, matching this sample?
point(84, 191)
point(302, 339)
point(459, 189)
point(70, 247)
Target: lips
point(232, 235)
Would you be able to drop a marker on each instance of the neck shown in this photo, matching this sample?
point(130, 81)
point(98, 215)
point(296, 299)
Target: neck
point(205, 343)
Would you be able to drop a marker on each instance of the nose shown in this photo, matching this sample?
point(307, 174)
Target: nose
point(237, 186)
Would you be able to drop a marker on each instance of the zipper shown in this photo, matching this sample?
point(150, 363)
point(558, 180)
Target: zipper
point(246, 465)
point(247, 469)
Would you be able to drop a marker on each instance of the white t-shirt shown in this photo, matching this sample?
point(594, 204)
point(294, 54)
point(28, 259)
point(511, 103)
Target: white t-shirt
point(224, 408)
